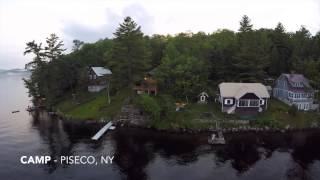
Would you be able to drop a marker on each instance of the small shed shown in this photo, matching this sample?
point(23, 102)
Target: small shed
point(203, 97)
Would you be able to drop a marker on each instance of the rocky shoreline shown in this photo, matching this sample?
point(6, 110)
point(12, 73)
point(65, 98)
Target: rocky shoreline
point(240, 129)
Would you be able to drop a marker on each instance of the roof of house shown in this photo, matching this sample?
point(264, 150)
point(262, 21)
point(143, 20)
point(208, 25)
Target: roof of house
point(203, 94)
point(237, 90)
point(101, 71)
point(296, 78)
point(269, 88)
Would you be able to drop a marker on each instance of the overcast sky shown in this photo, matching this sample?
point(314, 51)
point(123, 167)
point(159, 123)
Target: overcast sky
point(89, 20)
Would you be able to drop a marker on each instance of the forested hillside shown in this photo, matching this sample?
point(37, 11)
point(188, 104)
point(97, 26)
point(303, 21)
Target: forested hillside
point(184, 64)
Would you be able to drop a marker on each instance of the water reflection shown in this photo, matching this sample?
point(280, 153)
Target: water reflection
point(145, 154)
point(60, 137)
point(137, 150)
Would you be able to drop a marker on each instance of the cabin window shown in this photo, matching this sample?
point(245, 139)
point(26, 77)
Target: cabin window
point(261, 101)
point(248, 103)
point(243, 103)
point(228, 101)
point(253, 103)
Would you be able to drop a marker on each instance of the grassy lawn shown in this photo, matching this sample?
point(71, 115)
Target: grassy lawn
point(93, 105)
point(277, 115)
point(189, 117)
point(279, 112)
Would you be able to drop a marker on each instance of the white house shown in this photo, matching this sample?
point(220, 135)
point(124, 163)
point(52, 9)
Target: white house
point(243, 98)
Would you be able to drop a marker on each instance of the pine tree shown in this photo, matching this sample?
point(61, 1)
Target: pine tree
point(280, 52)
point(129, 57)
point(245, 24)
point(248, 60)
point(36, 50)
point(54, 47)
point(77, 44)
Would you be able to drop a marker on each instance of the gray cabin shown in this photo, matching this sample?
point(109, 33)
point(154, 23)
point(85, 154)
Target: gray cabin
point(243, 98)
point(294, 89)
point(98, 78)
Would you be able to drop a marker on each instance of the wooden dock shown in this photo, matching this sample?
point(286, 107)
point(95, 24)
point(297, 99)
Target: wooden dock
point(103, 130)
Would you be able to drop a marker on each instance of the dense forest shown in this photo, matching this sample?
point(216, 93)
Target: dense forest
point(184, 64)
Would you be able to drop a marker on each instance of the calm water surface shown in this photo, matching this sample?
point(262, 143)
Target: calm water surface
point(143, 154)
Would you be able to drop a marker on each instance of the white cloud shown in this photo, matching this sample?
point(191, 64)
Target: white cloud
point(22, 21)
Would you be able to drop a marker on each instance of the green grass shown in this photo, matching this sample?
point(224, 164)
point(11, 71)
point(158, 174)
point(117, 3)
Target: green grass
point(277, 115)
point(278, 112)
point(190, 117)
point(93, 105)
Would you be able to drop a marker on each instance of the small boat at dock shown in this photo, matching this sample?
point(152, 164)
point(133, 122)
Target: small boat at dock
point(15, 111)
point(219, 139)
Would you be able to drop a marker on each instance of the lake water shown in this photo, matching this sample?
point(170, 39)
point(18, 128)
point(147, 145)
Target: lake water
point(144, 154)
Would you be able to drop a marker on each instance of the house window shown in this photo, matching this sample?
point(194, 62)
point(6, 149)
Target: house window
point(254, 103)
point(248, 103)
point(261, 101)
point(228, 101)
point(243, 103)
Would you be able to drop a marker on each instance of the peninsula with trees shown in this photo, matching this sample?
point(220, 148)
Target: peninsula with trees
point(266, 77)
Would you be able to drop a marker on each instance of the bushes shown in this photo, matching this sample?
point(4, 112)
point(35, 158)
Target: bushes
point(166, 103)
point(267, 121)
point(150, 105)
point(293, 110)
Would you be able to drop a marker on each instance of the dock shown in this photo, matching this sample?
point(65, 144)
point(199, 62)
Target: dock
point(103, 130)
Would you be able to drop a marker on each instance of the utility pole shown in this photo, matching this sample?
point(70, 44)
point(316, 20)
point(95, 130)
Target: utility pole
point(109, 100)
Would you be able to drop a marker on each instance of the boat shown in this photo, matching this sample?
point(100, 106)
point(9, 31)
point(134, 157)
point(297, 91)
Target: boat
point(15, 111)
point(219, 139)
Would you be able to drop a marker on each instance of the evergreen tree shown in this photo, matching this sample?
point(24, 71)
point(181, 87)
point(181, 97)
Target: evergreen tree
point(129, 57)
point(248, 61)
point(42, 80)
point(302, 47)
point(245, 24)
point(280, 53)
point(77, 44)
point(36, 50)
point(54, 49)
